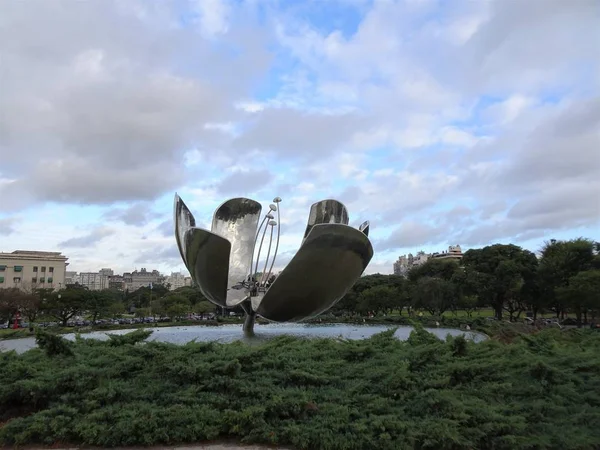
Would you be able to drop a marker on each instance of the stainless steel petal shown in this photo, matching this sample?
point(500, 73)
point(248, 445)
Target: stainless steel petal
point(184, 220)
point(207, 256)
point(329, 262)
point(326, 211)
point(237, 221)
point(364, 227)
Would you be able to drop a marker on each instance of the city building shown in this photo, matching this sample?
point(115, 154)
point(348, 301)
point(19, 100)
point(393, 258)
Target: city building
point(94, 281)
point(454, 252)
point(142, 278)
point(26, 269)
point(406, 262)
point(70, 277)
point(116, 282)
point(176, 280)
point(106, 272)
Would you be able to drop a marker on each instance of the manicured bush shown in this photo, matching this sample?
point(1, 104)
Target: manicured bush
point(536, 391)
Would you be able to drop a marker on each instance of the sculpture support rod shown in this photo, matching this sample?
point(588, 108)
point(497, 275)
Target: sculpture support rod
point(254, 249)
point(259, 250)
point(277, 243)
point(262, 277)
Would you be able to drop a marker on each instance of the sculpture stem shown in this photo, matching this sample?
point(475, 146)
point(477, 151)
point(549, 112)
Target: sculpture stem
point(248, 326)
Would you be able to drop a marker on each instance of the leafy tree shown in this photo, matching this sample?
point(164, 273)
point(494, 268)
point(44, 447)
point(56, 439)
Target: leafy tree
point(29, 305)
point(468, 303)
point(582, 293)
point(499, 273)
point(434, 295)
point(66, 303)
point(98, 303)
point(379, 299)
point(203, 307)
point(560, 261)
point(434, 268)
point(9, 304)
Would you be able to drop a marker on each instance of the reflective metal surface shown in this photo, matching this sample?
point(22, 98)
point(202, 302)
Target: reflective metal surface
point(207, 256)
point(326, 211)
point(236, 220)
point(224, 266)
point(329, 262)
point(364, 227)
point(184, 220)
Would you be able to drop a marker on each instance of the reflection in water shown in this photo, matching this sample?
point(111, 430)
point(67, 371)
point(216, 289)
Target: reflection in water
point(230, 333)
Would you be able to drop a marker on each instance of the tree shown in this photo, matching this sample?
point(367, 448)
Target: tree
point(434, 295)
point(379, 299)
point(9, 304)
point(582, 293)
point(435, 268)
point(468, 303)
point(66, 303)
point(560, 261)
point(30, 305)
point(203, 307)
point(98, 303)
point(500, 273)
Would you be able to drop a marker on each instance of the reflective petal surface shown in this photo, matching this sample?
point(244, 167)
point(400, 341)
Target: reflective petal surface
point(207, 256)
point(236, 220)
point(331, 259)
point(364, 227)
point(184, 220)
point(326, 211)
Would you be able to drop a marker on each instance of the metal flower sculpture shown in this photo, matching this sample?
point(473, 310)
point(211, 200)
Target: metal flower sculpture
point(227, 268)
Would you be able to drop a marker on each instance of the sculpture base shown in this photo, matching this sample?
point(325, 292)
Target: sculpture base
point(248, 327)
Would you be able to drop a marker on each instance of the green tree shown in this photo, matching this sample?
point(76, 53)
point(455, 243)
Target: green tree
point(434, 295)
point(66, 303)
point(382, 298)
point(560, 261)
point(98, 303)
point(500, 273)
point(9, 303)
point(582, 293)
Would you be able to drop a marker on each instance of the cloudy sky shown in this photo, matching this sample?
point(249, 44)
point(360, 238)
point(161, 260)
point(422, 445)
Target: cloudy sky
point(442, 123)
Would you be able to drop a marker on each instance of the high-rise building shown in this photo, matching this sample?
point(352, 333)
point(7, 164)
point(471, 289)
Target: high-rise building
point(116, 282)
point(406, 262)
point(26, 269)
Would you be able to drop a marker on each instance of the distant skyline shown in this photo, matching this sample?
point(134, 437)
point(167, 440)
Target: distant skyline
point(467, 122)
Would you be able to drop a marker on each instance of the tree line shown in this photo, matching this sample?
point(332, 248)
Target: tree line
point(563, 278)
point(66, 304)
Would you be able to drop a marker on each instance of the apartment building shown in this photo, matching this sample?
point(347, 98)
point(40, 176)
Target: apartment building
point(142, 278)
point(27, 269)
point(406, 262)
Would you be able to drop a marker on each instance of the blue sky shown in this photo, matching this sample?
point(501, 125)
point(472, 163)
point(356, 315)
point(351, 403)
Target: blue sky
point(442, 123)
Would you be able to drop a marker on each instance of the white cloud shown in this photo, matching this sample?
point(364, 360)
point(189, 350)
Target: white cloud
point(468, 124)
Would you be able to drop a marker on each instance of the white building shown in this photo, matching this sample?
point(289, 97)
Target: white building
point(142, 278)
point(32, 269)
point(406, 262)
point(454, 252)
point(176, 280)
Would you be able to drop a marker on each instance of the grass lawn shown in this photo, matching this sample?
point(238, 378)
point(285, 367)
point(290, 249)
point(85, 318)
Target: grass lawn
point(536, 391)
